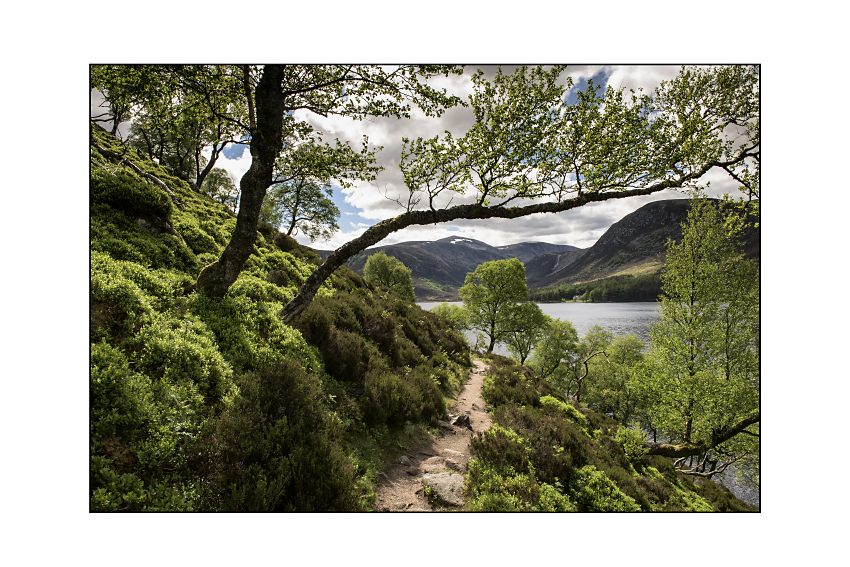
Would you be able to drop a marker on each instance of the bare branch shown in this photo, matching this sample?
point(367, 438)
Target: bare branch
point(148, 176)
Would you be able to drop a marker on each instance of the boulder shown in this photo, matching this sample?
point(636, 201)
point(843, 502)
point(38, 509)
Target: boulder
point(446, 487)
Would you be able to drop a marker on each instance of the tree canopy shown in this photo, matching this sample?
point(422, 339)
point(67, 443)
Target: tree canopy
point(490, 295)
point(391, 272)
point(528, 150)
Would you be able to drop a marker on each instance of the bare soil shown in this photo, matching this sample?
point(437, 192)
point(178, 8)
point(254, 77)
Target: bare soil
point(400, 487)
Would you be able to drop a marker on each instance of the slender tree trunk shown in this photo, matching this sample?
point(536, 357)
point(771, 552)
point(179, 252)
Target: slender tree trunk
point(266, 143)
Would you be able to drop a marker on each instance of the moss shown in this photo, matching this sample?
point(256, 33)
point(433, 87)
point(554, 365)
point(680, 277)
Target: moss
point(184, 386)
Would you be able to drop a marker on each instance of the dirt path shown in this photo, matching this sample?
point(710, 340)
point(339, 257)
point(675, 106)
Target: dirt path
point(400, 487)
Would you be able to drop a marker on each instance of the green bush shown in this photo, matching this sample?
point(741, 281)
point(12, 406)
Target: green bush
point(128, 192)
point(393, 400)
point(593, 491)
point(277, 448)
point(140, 428)
point(184, 350)
point(633, 442)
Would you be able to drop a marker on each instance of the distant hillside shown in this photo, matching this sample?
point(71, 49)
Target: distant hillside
point(438, 267)
point(635, 245)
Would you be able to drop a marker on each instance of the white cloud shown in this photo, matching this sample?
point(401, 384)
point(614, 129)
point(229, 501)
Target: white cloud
point(236, 167)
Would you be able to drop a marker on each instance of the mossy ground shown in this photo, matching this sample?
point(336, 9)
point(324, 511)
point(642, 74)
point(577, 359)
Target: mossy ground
point(199, 403)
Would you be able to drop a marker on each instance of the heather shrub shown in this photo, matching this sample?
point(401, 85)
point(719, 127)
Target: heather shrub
point(508, 386)
point(502, 448)
point(343, 355)
point(556, 445)
point(277, 448)
point(392, 399)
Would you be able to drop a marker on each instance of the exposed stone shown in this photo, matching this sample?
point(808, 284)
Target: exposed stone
point(403, 460)
point(452, 454)
point(433, 464)
point(454, 465)
point(444, 424)
point(446, 487)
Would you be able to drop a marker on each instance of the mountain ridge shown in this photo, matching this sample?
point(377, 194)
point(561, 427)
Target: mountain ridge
point(635, 245)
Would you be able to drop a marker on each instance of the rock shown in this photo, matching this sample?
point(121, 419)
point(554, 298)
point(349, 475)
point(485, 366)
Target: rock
point(412, 471)
point(445, 487)
point(433, 464)
point(453, 454)
point(403, 460)
point(444, 424)
point(454, 465)
point(462, 421)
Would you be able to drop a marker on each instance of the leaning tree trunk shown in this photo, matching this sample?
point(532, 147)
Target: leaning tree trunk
point(688, 449)
point(266, 144)
point(378, 232)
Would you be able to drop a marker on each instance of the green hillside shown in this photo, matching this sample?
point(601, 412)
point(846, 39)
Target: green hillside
point(216, 405)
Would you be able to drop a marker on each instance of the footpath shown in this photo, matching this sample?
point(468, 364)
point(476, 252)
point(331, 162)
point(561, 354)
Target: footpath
point(430, 478)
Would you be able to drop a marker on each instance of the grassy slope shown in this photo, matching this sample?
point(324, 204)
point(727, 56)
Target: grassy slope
point(214, 404)
point(547, 453)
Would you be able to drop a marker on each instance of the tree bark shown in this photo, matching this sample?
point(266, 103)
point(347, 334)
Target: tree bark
point(697, 448)
point(266, 144)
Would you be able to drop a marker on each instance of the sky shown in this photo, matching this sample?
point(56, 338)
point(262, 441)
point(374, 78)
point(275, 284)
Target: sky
point(365, 204)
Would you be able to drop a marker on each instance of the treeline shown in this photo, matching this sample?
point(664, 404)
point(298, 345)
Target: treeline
point(617, 288)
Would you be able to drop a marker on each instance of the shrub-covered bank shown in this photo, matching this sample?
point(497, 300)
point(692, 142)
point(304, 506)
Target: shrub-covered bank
point(198, 403)
point(548, 453)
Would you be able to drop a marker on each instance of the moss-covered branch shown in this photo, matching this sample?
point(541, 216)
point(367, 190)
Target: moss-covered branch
point(701, 446)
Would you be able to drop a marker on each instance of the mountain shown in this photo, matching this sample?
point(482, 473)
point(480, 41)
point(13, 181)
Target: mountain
point(635, 245)
point(439, 267)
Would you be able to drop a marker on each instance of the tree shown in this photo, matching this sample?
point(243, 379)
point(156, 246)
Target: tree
point(525, 325)
point(703, 385)
point(556, 353)
point(219, 185)
point(177, 111)
point(454, 314)
point(608, 391)
point(529, 152)
point(301, 205)
point(390, 272)
point(490, 294)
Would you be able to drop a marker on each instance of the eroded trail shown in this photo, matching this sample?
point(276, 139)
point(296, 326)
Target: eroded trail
point(441, 463)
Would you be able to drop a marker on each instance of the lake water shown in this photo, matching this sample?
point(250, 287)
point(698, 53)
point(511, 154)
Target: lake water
point(619, 318)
